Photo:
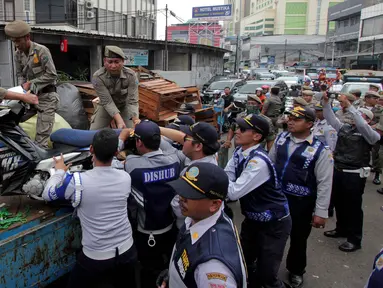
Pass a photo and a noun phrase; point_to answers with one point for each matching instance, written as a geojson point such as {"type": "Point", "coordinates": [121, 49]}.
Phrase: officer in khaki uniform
{"type": "Point", "coordinates": [36, 72]}
{"type": "Point", "coordinates": [273, 106]}
{"type": "Point", "coordinates": [359, 101]}
{"type": "Point", "coordinates": [371, 99]}
{"type": "Point", "coordinates": [308, 96]}
{"type": "Point", "coordinates": [117, 88]}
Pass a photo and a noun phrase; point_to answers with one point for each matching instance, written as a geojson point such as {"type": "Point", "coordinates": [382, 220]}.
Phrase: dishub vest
{"type": "Point", "coordinates": [297, 171]}
{"type": "Point", "coordinates": [266, 202]}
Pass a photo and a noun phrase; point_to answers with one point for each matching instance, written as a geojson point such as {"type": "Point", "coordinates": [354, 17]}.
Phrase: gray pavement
{"type": "Point", "coordinates": [328, 267]}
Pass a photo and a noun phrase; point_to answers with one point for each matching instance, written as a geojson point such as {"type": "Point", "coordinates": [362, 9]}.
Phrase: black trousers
{"type": "Point", "coordinates": [263, 244]}
{"type": "Point", "coordinates": [116, 272]}
{"type": "Point", "coordinates": [154, 259]}
{"type": "Point", "coordinates": [301, 211]}
{"type": "Point", "coordinates": [348, 189]}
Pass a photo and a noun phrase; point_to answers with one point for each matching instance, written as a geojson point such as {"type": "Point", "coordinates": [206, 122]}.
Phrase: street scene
{"type": "Point", "coordinates": [219, 144]}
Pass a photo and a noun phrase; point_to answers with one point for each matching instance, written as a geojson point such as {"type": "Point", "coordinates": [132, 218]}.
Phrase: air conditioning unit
{"type": "Point", "coordinates": [89, 15]}
{"type": "Point", "coordinates": [88, 4]}
{"type": "Point", "coordinates": [153, 16]}
{"type": "Point", "coordinates": [140, 13]}
{"type": "Point", "coordinates": [28, 16]}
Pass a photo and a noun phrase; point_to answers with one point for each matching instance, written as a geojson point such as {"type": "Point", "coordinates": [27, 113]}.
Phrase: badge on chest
{"type": "Point", "coordinates": [281, 141]}
{"type": "Point", "coordinates": [309, 152]}
{"type": "Point", "coordinates": [183, 264]}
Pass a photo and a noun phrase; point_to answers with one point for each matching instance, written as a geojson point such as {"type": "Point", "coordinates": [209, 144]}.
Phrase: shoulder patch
{"type": "Point", "coordinates": [252, 164]}
{"type": "Point", "coordinates": [216, 275]}
{"type": "Point", "coordinates": [379, 263]}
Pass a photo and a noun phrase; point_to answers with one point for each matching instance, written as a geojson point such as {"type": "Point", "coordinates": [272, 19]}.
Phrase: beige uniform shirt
{"type": "Point", "coordinates": [36, 67]}
{"type": "Point", "coordinates": [116, 93]}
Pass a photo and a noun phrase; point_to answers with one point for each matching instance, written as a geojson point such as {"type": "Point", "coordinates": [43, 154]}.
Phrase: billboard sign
{"type": "Point", "coordinates": [136, 57]}
{"type": "Point", "coordinates": [213, 13]}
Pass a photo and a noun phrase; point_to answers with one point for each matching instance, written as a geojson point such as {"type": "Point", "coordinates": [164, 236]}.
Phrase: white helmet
{"type": "Point", "coordinates": [259, 89]}
{"type": "Point", "coordinates": [217, 92]}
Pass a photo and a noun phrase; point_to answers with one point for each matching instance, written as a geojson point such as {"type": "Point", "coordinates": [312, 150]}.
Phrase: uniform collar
{"type": "Point", "coordinates": [153, 153]}
{"type": "Point", "coordinates": [32, 49]}
{"type": "Point", "coordinates": [199, 228]}
{"type": "Point", "coordinates": [309, 139]}
{"type": "Point", "coordinates": [248, 150]}
{"type": "Point", "coordinates": [206, 159]}
{"type": "Point", "coordinates": [122, 74]}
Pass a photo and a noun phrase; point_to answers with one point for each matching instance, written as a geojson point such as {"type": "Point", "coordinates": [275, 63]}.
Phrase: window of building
{"type": "Point", "coordinates": [102, 22]}
{"type": "Point", "coordinates": [27, 5]}
{"type": "Point", "coordinates": [118, 22]}
{"type": "Point", "coordinates": [372, 26]}
{"type": "Point", "coordinates": [81, 17]}
{"type": "Point", "coordinates": [125, 25]}
{"type": "Point", "coordinates": [94, 21]}
{"type": "Point", "coordinates": [110, 20]}
{"type": "Point", "coordinates": [269, 25]}
{"type": "Point", "coordinates": [133, 26]}
{"type": "Point", "coordinates": [346, 22]}
{"type": "Point", "coordinates": [9, 10]}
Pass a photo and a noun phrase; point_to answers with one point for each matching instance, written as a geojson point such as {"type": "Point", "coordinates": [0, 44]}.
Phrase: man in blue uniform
{"type": "Point", "coordinates": [207, 252]}
{"type": "Point", "coordinates": [100, 197]}
{"type": "Point", "coordinates": [267, 223]}
{"type": "Point", "coordinates": [150, 171]}
{"type": "Point", "coordinates": [376, 277]}
{"type": "Point", "coordinates": [304, 167]}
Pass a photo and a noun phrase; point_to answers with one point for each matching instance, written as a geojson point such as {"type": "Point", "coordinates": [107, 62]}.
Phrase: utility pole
{"type": "Point", "coordinates": [333, 54]}
{"type": "Point", "coordinates": [285, 58]}
{"type": "Point", "coordinates": [166, 40]}
{"type": "Point", "coordinates": [373, 48]}
{"type": "Point", "coordinates": [300, 55]}
{"type": "Point", "coordinates": [236, 55]}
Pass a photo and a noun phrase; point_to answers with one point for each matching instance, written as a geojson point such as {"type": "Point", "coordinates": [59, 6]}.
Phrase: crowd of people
{"type": "Point", "coordinates": [164, 212]}
{"type": "Point", "coordinates": [169, 210]}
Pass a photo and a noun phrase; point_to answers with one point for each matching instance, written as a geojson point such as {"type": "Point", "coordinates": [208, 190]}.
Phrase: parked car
{"type": "Point", "coordinates": [362, 86]}
{"type": "Point", "coordinates": [233, 84]}
{"type": "Point", "coordinates": [214, 79]}
{"type": "Point", "coordinates": [250, 87]}
{"type": "Point", "coordinates": [289, 80]}
{"type": "Point", "coordinates": [264, 76]}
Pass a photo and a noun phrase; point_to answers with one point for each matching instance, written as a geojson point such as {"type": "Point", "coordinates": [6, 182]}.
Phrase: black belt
{"type": "Point", "coordinates": [47, 89]}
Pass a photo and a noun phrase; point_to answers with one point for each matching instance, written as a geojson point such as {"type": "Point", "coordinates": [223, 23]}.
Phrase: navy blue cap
{"type": "Point", "coordinates": [255, 122]}
{"type": "Point", "coordinates": [184, 120]}
{"type": "Point", "coordinates": [202, 180]}
{"type": "Point", "coordinates": [147, 130]}
{"type": "Point", "coordinates": [185, 109]}
{"type": "Point", "coordinates": [203, 132]}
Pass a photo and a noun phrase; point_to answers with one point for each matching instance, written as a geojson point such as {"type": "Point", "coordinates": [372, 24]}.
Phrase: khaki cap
{"type": "Point", "coordinates": [306, 88]}
{"type": "Point", "coordinates": [255, 98]}
{"type": "Point", "coordinates": [17, 29]}
{"type": "Point", "coordinates": [372, 94]}
{"type": "Point", "coordinates": [367, 112]}
{"type": "Point", "coordinates": [300, 101]}
{"type": "Point", "coordinates": [114, 52]}
{"type": "Point", "coordinates": [349, 96]}
{"type": "Point", "coordinates": [308, 92]}
{"type": "Point", "coordinates": [356, 91]}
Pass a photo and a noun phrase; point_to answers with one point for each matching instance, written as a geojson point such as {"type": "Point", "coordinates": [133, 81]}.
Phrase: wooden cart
{"type": "Point", "coordinates": [159, 98]}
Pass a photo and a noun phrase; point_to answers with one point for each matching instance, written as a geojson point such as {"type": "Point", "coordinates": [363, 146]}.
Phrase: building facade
{"type": "Point", "coordinates": [196, 33]}
{"type": "Point", "coordinates": [343, 31]}
{"type": "Point", "coordinates": [273, 17]}
{"type": "Point", "coordinates": [370, 50]}
{"type": "Point", "coordinates": [136, 18]}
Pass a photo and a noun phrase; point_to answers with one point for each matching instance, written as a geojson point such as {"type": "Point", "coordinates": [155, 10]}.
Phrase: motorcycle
{"type": "Point", "coordinates": [25, 167]}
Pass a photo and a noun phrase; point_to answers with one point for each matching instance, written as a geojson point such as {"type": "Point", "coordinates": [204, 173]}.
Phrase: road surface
{"type": "Point", "coordinates": [328, 267]}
